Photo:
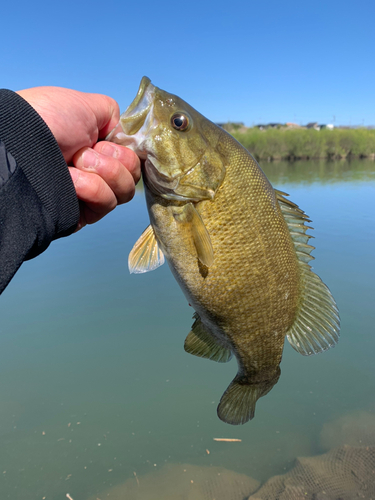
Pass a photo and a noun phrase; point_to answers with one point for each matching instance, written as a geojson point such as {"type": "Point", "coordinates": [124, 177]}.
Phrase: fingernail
{"type": "Point", "coordinates": [90, 159]}
{"type": "Point", "coordinates": [109, 150]}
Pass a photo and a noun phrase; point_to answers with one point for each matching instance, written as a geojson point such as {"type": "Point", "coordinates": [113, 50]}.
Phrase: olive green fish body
{"type": "Point", "coordinates": [249, 295]}
{"type": "Point", "coordinates": [238, 248]}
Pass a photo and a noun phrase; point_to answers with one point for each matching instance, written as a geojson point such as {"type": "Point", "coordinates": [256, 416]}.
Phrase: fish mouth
{"type": "Point", "coordinates": [158, 183]}
{"type": "Point", "coordinates": [132, 131]}
{"type": "Point", "coordinates": [135, 116]}
{"type": "Point", "coordinates": [168, 187]}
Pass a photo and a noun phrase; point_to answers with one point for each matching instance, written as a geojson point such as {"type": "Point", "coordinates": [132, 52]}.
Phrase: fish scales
{"type": "Point", "coordinates": [254, 306]}
{"type": "Point", "coordinates": [237, 247]}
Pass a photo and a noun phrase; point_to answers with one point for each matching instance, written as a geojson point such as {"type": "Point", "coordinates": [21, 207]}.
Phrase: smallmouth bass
{"type": "Point", "coordinates": [237, 247]}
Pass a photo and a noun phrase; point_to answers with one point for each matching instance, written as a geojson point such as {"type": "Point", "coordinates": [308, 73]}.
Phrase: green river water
{"type": "Point", "coordinates": [95, 386]}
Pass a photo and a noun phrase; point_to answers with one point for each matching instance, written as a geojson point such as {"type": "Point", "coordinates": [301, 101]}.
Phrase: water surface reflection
{"type": "Point", "coordinates": [96, 388]}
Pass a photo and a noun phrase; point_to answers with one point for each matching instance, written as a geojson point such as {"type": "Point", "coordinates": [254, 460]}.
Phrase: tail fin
{"type": "Point", "coordinates": [237, 404]}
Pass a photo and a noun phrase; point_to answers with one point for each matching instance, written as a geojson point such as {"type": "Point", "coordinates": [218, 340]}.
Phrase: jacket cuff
{"type": "Point", "coordinates": [32, 144]}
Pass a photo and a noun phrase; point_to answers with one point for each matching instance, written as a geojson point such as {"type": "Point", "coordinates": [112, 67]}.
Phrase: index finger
{"type": "Point", "coordinates": [123, 154]}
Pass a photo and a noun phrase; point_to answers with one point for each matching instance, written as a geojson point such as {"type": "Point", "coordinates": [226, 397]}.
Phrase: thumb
{"type": "Point", "coordinates": [106, 111]}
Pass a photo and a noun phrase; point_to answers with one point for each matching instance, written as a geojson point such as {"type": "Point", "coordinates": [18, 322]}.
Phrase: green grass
{"type": "Point", "coordinates": [273, 144]}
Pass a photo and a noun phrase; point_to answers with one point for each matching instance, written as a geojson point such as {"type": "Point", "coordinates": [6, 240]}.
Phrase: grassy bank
{"type": "Point", "coordinates": [274, 144]}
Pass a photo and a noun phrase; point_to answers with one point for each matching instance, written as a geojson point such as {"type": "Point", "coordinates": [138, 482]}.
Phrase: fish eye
{"type": "Point", "coordinates": [180, 122]}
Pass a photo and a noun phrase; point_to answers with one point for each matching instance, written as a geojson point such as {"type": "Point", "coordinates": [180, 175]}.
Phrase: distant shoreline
{"type": "Point", "coordinates": [306, 144]}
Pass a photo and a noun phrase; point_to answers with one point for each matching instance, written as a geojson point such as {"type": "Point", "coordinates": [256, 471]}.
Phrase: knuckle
{"type": "Point", "coordinates": [127, 192]}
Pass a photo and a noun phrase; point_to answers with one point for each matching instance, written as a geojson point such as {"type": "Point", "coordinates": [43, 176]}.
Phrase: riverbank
{"type": "Point", "coordinates": [291, 144]}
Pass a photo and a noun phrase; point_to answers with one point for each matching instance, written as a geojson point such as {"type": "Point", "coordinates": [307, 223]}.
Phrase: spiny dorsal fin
{"type": "Point", "coordinates": [317, 324]}
{"type": "Point", "coordinates": [201, 343]}
{"type": "Point", "coordinates": [289, 208]}
{"type": "Point", "coordinates": [146, 254]}
{"type": "Point", "coordinates": [202, 241]}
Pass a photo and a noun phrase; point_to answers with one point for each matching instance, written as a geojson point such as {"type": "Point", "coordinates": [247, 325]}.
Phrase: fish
{"type": "Point", "coordinates": [238, 248]}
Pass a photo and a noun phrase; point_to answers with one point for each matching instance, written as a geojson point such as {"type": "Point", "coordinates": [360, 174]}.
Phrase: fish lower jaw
{"type": "Point", "coordinates": [159, 184]}
{"type": "Point", "coordinates": [133, 142]}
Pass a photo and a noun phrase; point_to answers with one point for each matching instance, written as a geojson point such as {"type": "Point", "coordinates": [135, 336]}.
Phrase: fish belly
{"type": "Point", "coordinates": [248, 297]}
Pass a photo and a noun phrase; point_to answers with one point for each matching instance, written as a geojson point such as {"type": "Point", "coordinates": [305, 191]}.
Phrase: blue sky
{"type": "Point", "coordinates": [238, 60]}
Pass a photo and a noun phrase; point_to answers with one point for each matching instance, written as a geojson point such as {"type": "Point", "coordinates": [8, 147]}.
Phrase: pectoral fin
{"type": "Point", "coordinates": [201, 343]}
{"type": "Point", "coordinates": [146, 254]}
{"type": "Point", "coordinates": [201, 238]}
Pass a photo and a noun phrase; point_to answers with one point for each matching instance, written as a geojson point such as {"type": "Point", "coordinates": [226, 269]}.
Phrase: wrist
{"type": "Point", "coordinates": [32, 144]}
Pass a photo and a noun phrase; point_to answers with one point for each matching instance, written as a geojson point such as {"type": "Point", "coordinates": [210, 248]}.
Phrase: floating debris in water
{"type": "Point", "coordinates": [228, 440]}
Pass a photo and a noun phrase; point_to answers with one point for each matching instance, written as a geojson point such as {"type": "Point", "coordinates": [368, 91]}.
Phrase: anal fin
{"type": "Point", "coordinates": [201, 343]}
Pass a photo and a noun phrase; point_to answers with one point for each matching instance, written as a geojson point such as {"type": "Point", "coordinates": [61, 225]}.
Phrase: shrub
{"type": "Point", "coordinates": [307, 143]}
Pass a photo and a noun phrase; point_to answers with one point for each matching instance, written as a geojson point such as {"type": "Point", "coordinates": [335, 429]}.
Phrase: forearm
{"type": "Point", "coordinates": [38, 202]}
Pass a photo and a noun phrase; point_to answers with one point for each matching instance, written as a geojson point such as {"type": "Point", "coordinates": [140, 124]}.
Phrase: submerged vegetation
{"type": "Point", "coordinates": [302, 143]}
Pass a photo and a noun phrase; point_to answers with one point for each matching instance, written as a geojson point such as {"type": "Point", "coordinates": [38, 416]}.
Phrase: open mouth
{"type": "Point", "coordinates": [135, 116]}
{"type": "Point", "coordinates": [132, 120]}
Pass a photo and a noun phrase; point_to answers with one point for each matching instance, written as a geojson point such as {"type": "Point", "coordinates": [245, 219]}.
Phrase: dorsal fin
{"type": "Point", "coordinates": [317, 324]}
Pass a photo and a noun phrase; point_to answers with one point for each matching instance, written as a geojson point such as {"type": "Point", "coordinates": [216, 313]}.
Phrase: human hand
{"type": "Point", "coordinates": [104, 174]}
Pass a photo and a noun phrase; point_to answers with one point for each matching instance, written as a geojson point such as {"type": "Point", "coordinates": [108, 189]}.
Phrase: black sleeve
{"type": "Point", "coordinates": [38, 202]}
